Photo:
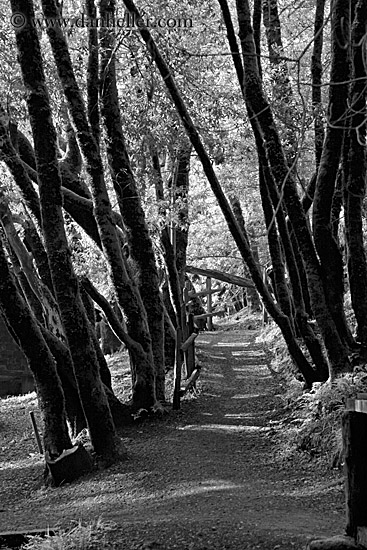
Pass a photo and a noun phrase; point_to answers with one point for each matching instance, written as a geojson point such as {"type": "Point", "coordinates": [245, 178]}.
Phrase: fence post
{"type": "Point", "coordinates": [209, 302]}
{"type": "Point", "coordinates": [177, 371]}
{"type": "Point", "coordinates": [191, 351]}
{"type": "Point", "coordinates": [264, 310]}
{"type": "Point", "coordinates": [185, 326]}
{"type": "Point", "coordinates": [354, 424]}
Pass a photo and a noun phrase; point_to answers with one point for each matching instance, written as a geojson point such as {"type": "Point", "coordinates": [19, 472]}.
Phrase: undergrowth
{"type": "Point", "coordinates": [81, 537]}
{"type": "Point", "coordinates": [311, 420]}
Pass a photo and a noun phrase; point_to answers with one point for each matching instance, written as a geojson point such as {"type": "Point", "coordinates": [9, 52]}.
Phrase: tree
{"type": "Point", "coordinates": [41, 362]}
{"type": "Point", "coordinates": [86, 368]}
{"type": "Point", "coordinates": [241, 242]}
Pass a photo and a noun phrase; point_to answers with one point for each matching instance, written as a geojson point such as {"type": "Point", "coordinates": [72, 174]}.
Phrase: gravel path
{"type": "Point", "coordinates": [203, 478]}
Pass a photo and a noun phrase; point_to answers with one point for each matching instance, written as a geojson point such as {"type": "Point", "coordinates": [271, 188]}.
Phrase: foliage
{"type": "Point", "coordinates": [80, 537]}
{"type": "Point", "coordinates": [311, 425]}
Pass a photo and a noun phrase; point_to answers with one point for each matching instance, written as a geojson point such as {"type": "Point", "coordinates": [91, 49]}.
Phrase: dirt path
{"type": "Point", "coordinates": [203, 479]}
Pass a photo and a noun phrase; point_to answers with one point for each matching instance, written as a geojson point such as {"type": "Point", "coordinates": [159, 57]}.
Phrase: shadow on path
{"type": "Point", "coordinates": [206, 478]}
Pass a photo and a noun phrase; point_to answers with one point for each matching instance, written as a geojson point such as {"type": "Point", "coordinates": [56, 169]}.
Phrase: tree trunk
{"type": "Point", "coordinates": [50, 309]}
{"type": "Point", "coordinates": [180, 189]}
{"type": "Point", "coordinates": [79, 208]}
{"type": "Point", "coordinates": [10, 157]}
{"type": "Point", "coordinates": [95, 404]}
{"type": "Point", "coordinates": [233, 226]}
{"type": "Point", "coordinates": [355, 186]}
{"type": "Point", "coordinates": [144, 395]}
{"type": "Point", "coordinates": [65, 370]}
{"type": "Point", "coordinates": [262, 119]}
{"type": "Point", "coordinates": [252, 296]}
{"type": "Point", "coordinates": [40, 360]}
{"type": "Point", "coordinates": [301, 318]}
{"type": "Point", "coordinates": [93, 73]}
{"type": "Point", "coordinates": [256, 23]}
{"type": "Point", "coordinates": [326, 246]}
{"type": "Point", "coordinates": [281, 289]}
{"type": "Point", "coordinates": [337, 203]}
{"type": "Point", "coordinates": [316, 71]}
{"type": "Point", "coordinates": [174, 283]}
{"type": "Point", "coordinates": [283, 102]}
{"type": "Point", "coordinates": [141, 247]}
{"type": "Point", "coordinates": [33, 243]}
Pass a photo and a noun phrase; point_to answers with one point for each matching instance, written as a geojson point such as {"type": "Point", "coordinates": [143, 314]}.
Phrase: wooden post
{"type": "Point", "coordinates": [185, 301]}
{"type": "Point", "coordinates": [191, 350]}
{"type": "Point", "coordinates": [191, 382]}
{"type": "Point", "coordinates": [36, 432]}
{"type": "Point", "coordinates": [177, 371]}
{"type": "Point", "coordinates": [186, 329]}
{"type": "Point", "coordinates": [264, 311]}
{"type": "Point", "coordinates": [355, 458]}
{"type": "Point", "coordinates": [209, 302]}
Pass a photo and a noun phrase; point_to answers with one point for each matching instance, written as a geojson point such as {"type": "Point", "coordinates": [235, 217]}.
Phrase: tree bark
{"type": "Point", "coordinates": [252, 296]}
{"type": "Point", "coordinates": [355, 186]}
{"type": "Point", "coordinates": [301, 318]}
{"type": "Point", "coordinates": [95, 404]}
{"type": "Point", "coordinates": [283, 101]}
{"type": "Point", "coordinates": [316, 72]}
{"type": "Point", "coordinates": [10, 157]}
{"type": "Point", "coordinates": [40, 360]}
{"type": "Point", "coordinates": [50, 309]}
{"type": "Point", "coordinates": [174, 283]}
{"type": "Point", "coordinates": [233, 226]}
{"type": "Point", "coordinates": [326, 246]}
{"type": "Point", "coordinates": [256, 23]}
{"type": "Point", "coordinates": [79, 208]}
{"type": "Point", "coordinates": [294, 260]}
{"type": "Point", "coordinates": [281, 289]}
{"type": "Point", "coordinates": [144, 395]}
{"type": "Point", "coordinates": [264, 122]}
{"type": "Point", "coordinates": [65, 370]}
{"type": "Point", "coordinates": [33, 243]}
{"type": "Point", "coordinates": [93, 73]}
{"type": "Point", "coordinates": [141, 247]}
{"type": "Point", "coordinates": [180, 188]}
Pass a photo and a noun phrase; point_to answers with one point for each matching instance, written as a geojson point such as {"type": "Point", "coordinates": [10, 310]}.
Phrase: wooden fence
{"type": "Point", "coordinates": [355, 461]}
{"type": "Point", "coordinates": [185, 340]}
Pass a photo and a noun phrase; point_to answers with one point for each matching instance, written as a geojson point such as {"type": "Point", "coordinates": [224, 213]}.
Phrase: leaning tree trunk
{"type": "Point", "coordinates": [174, 283]}
{"type": "Point", "coordinates": [141, 247]}
{"type": "Point", "coordinates": [257, 104]}
{"type": "Point", "coordinates": [79, 208]}
{"type": "Point", "coordinates": [274, 311]}
{"type": "Point", "coordinates": [75, 322]}
{"type": "Point", "coordinates": [327, 248]}
{"type": "Point", "coordinates": [283, 100]}
{"type": "Point", "coordinates": [143, 392]}
{"type": "Point", "coordinates": [252, 297]}
{"type": "Point", "coordinates": [298, 290]}
{"type": "Point", "coordinates": [93, 73]}
{"type": "Point", "coordinates": [180, 190]}
{"type": "Point", "coordinates": [281, 289]}
{"type": "Point", "coordinates": [40, 360]}
{"type": "Point", "coordinates": [172, 289]}
{"type": "Point", "coordinates": [301, 318]}
{"type": "Point", "coordinates": [355, 188]}
{"type": "Point", "coordinates": [316, 71]}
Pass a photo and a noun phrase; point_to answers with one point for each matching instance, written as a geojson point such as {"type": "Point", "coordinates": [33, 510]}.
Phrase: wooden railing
{"type": "Point", "coordinates": [185, 340]}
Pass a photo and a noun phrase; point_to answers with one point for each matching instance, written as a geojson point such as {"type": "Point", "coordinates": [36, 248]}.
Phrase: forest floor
{"type": "Point", "coordinates": [207, 477]}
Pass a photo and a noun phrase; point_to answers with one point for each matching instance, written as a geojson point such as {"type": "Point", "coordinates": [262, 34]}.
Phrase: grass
{"type": "Point", "coordinates": [311, 425]}
{"type": "Point", "coordinates": [81, 537]}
